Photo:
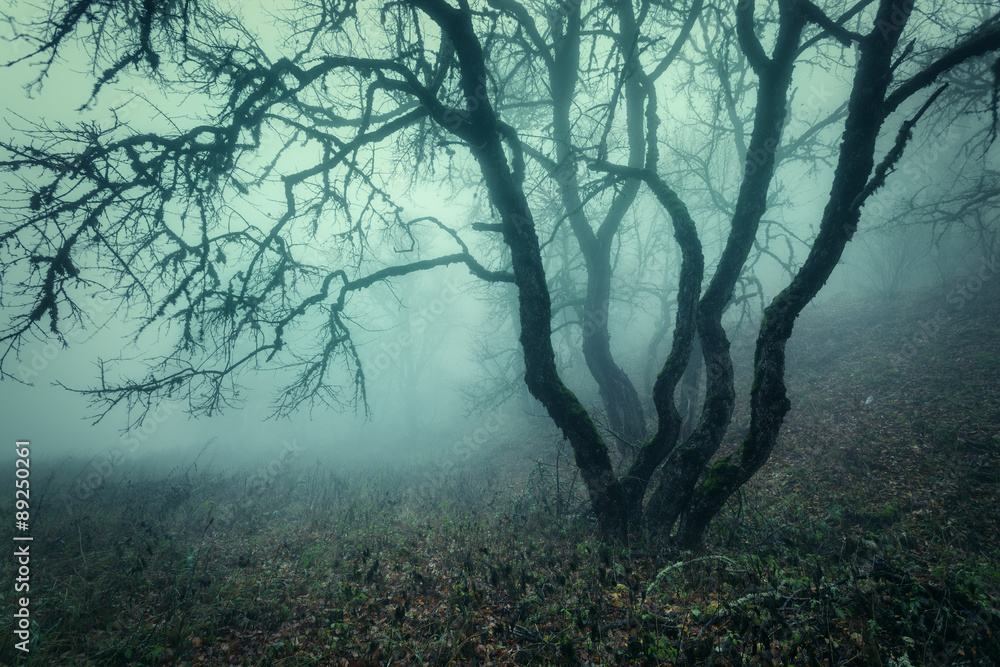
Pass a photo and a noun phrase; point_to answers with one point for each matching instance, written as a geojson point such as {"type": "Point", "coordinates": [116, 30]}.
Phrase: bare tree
{"type": "Point", "coordinates": [200, 225]}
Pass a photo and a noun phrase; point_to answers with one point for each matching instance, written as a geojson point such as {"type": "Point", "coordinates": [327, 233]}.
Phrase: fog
{"type": "Point", "coordinates": [264, 274]}
{"type": "Point", "coordinates": [437, 346]}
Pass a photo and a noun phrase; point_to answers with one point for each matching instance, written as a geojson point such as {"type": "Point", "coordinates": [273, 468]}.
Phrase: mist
{"type": "Point", "coordinates": [499, 333]}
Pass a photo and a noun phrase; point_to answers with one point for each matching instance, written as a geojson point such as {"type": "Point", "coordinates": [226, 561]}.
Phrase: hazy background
{"type": "Point", "coordinates": [432, 342]}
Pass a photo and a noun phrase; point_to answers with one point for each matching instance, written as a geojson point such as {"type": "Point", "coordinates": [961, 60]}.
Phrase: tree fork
{"type": "Point", "coordinates": [686, 463]}
{"type": "Point", "coordinates": [621, 400]}
{"type": "Point", "coordinates": [768, 400]}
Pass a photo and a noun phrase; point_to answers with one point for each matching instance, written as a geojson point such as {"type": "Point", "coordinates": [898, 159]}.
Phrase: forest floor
{"type": "Point", "coordinates": [872, 537]}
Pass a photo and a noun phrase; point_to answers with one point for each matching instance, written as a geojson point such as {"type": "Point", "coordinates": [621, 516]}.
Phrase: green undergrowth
{"type": "Point", "coordinates": [199, 572]}
{"type": "Point", "coordinates": [870, 538]}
